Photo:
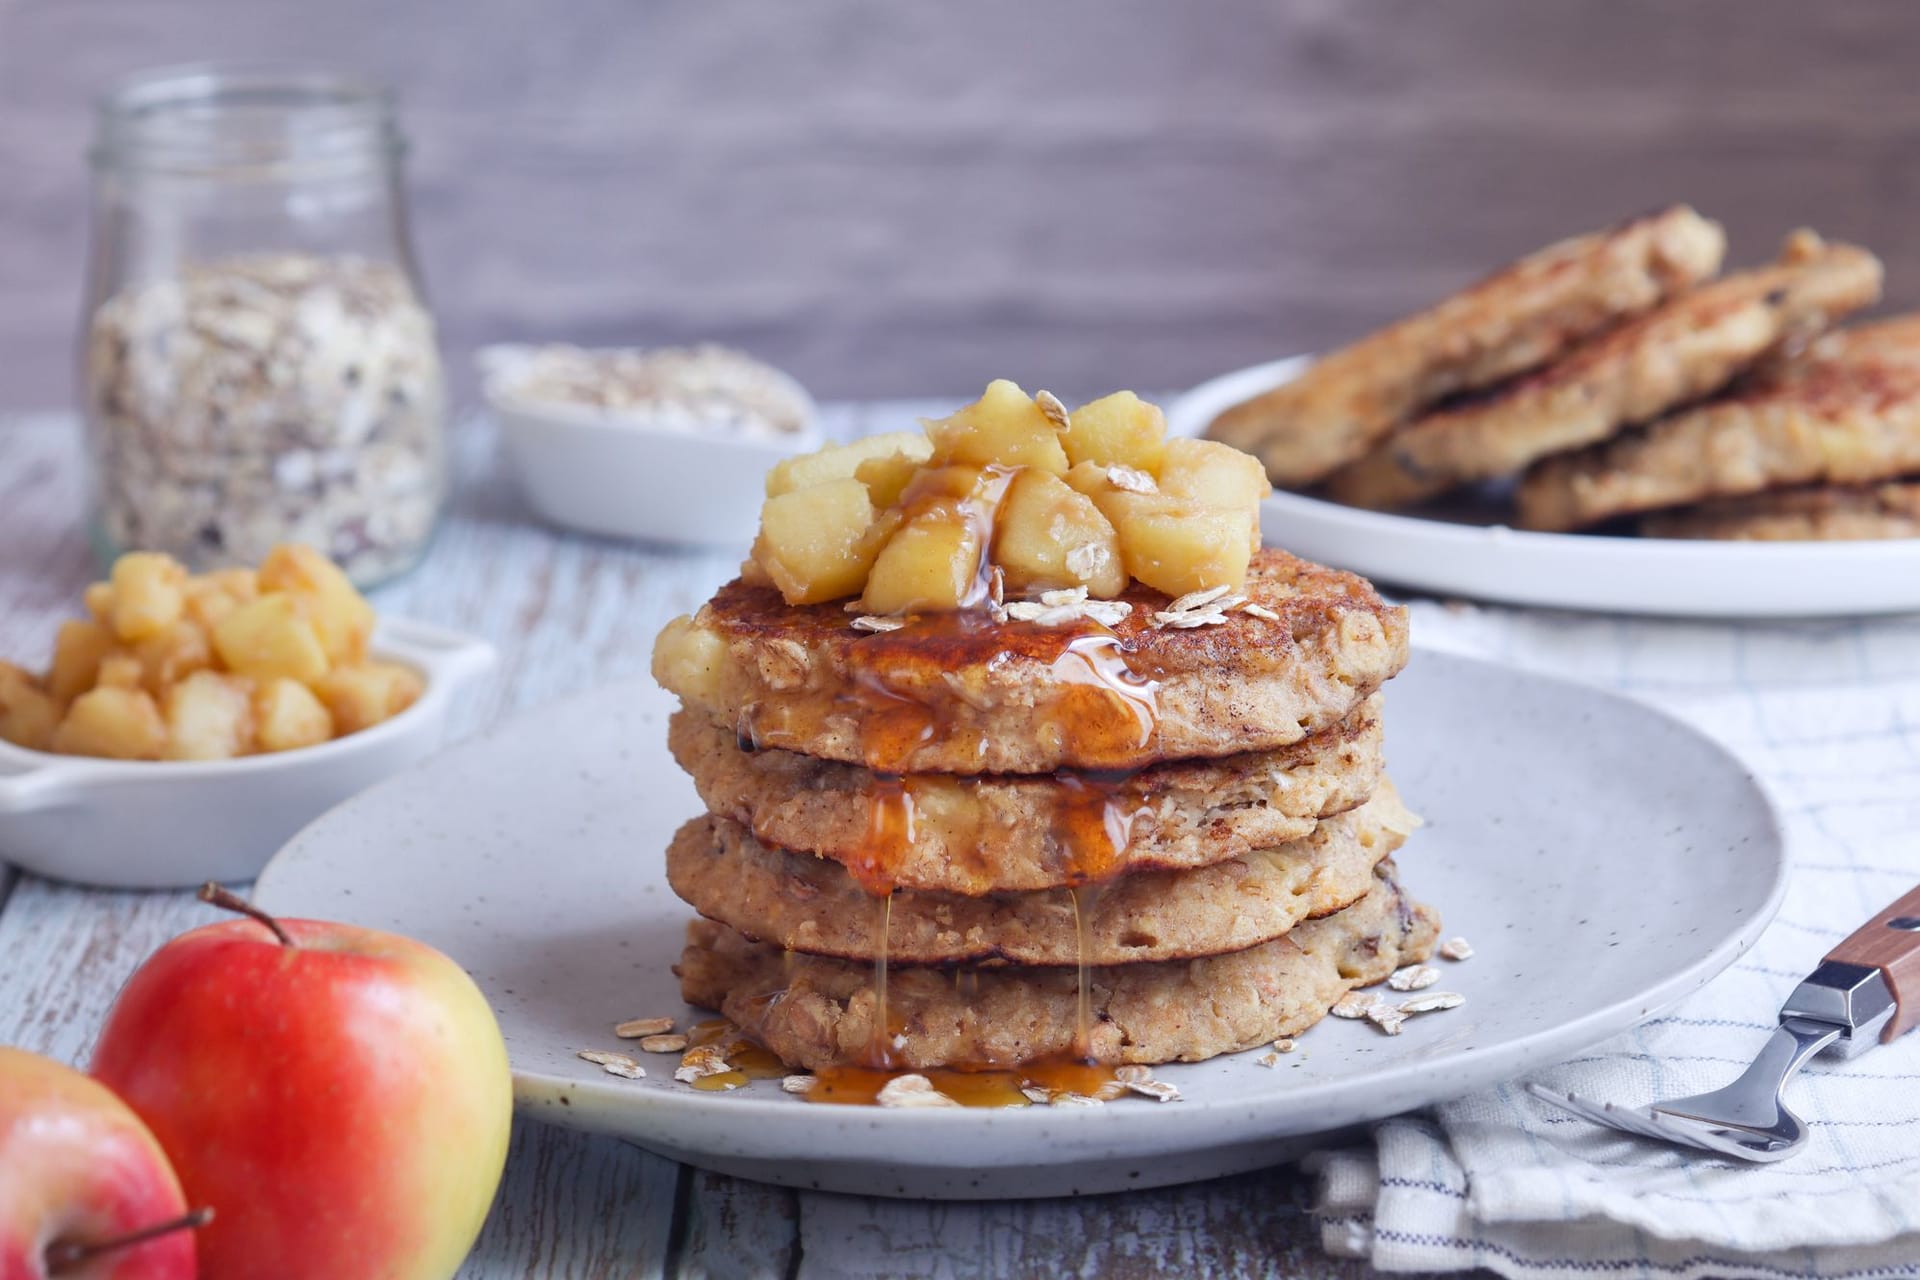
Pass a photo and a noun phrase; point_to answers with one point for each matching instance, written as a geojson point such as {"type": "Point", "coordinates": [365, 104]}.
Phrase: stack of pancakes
{"type": "Point", "coordinates": [977, 842]}
{"type": "Point", "coordinates": [1616, 378]}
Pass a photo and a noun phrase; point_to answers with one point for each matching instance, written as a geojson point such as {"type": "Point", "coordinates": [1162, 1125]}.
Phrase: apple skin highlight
{"type": "Point", "coordinates": [77, 1165]}
{"type": "Point", "coordinates": [343, 1103]}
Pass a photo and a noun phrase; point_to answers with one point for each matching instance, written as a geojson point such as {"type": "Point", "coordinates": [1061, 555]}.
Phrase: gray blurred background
{"type": "Point", "coordinates": [911, 198]}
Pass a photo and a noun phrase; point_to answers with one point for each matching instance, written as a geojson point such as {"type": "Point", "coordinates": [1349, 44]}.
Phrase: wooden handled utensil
{"type": "Point", "coordinates": [1866, 991]}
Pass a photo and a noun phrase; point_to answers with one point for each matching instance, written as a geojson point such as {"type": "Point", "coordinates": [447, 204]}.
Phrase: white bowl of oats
{"type": "Point", "coordinates": [666, 445]}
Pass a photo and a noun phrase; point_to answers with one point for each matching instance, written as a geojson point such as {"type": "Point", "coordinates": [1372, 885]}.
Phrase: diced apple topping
{"type": "Point", "coordinates": [173, 666]}
{"type": "Point", "coordinates": [1050, 538]}
{"type": "Point", "coordinates": [1087, 500]}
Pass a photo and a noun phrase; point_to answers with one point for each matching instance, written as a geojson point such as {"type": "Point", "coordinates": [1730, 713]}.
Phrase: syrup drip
{"type": "Point", "coordinates": [1082, 1019]}
{"type": "Point", "coordinates": [903, 703]}
{"type": "Point", "coordinates": [749, 1060]}
{"type": "Point", "coordinates": [983, 1087]}
{"type": "Point", "coordinates": [880, 1038]}
{"type": "Point", "coordinates": [953, 495]}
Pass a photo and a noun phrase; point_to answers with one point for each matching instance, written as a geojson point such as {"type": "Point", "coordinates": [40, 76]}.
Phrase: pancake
{"type": "Point", "coordinates": [1829, 514]}
{"type": "Point", "coordinates": [1523, 316]}
{"type": "Point", "coordinates": [1846, 412]}
{"type": "Point", "coordinates": [804, 903]}
{"type": "Point", "coordinates": [1687, 348]}
{"type": "Point", "coordinates": [815, 1012]}
{"type": "Point", "coordinates": [959, 693]}
{"type": "Point", "coordinates": [1011, 831]}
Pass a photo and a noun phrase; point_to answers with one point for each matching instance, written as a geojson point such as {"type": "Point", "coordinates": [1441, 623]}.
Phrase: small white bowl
{"type": "Point", "coordinates": [616, 474]}
{"type": "Point", "coordinates": [141, 824]}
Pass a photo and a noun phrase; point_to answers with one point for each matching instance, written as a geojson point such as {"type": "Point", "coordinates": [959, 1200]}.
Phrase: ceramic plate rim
{"type": "Point", "coordinates": [1704, 564]}
{"type": "Point", "coordinates": [1463, 1069]}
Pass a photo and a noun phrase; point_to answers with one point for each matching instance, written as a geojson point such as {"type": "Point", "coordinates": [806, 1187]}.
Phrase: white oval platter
{"type": "Point", "coordinates": [1605, 574]}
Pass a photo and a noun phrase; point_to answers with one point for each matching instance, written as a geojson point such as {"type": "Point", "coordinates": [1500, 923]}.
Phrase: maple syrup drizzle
{"type": "Point", "coordinates": [974, 507]}
{"type": "Point", "coordinates": [1110, 710]}
{"type": "Point", "coordinates": [902, 704]}
{"type": "Point", "coordinates": [969, 1086]}
{"type": "Point", "coordinates": [1082, 1020]}
{"type": "Point", "coordinates": [880, 1037]}
{"type": "Point", "coordinates": [747, 1058]}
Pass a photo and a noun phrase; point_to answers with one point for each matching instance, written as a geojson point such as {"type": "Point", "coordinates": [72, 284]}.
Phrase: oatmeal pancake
{"type": "Point", "coordinates": [960, 693]}
{"type": "Point", "coordinates": [1829, 514]}
{"type": "Point", "coordinates": [1685, 349]}
{"type": "Point", "coordinates": [1520, 318]}
{"type": "Point", "coordinates": [810, 904]}
{"type": "Point", "coordinates": [1012, 831]}
{"type": "Point", "coordinates": [1846, 412]}
{"type": "Point", "coordinates": [815, 1012]}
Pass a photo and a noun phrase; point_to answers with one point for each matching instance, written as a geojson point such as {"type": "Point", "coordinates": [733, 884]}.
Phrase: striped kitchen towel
{"type": "Point", "coordinates": [1828, 716]}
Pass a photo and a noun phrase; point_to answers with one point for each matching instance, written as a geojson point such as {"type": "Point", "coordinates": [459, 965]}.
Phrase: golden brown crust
{"type": "Point", "coordinates": [1846, 412]}
{"type": "Point", "coordinates": [1517, 319]}
{"type": "Point", "coordinates": [1829, 514]}
{"type": "Point", "coordinates": [815, 1012]}
{"type": "Point", "coordinates": [810, 904]}
{"type": "Point", "coordinates": [959, 694]}
{"type": "Point", "coordinates": [1688, 348]}
{"type": "Point", "coordinates": [1008, 831]}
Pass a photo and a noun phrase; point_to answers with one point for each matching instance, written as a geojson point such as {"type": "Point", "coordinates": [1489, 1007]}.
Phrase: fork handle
{"type": "Point", "coordinates": [1890, 942]}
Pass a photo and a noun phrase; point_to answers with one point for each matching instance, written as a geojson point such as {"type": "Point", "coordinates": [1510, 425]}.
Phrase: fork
{"type": "Point", "coordinates": [1867, 986]}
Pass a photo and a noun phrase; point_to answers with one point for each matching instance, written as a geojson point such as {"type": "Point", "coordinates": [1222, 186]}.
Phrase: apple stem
{"type": "Point", "coordinates": [228, 900]}
{"type": "Point", "coordinates": [65, 1255]}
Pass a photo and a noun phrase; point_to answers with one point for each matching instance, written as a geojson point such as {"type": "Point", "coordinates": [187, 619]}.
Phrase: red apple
{"type": "Point", "coordinates": [81, 1181]}
{"type": "Point", "coordinates": [337, 1095]}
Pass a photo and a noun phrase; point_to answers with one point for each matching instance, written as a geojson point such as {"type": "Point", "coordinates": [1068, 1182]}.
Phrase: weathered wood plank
{"type": "Point", "coordinates": [737, 1230]}
{"type": "Point", "coordinates": [1255, 1225]}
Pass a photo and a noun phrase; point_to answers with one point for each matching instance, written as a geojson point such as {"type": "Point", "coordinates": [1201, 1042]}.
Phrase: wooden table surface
{"type": "Point", "coordinates": [569, 613]}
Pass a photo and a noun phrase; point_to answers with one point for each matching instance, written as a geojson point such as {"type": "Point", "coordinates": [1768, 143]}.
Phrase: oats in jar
{"type": "Point", "coordinates": [264, 399]}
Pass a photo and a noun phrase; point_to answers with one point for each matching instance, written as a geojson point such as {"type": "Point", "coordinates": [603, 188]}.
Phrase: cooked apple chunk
{"type": "Point", "coordinates": [1048, 536]}
{"type": "Point", "coordinates": [120, 724]}
{"type": "Point", "coordinates": [270, 637]}
{"type": "Point", "coordinates": [286, 714]}
{"type": "Point", "coordinates": [78, 649]}
{"type": "Point", "coordinates": [148, 593]}
{"type": "Point", "coordinates": [1176, 547]}
{"type": "Point", "coordinates": [1213, 474]}
{"type": "Point", "coordinates": [359, 697]}
{"type": "Point", "coordinates": [841, 462]}
{"type": "Point", "coordinates": [932, 563]}
{"type": "Point", "coordinates": [209, 717]}
{"type": "Point", "coordinates": [28, 713]}
{"type": "Point", "coordinates": [887, 478]}
{"type": "Point", "coordinates": [813, 541]}
{"type": "Point", "coordinates": [1004, 427]}
{"type": "Point", "coordinates": [341, 617]}
{"type": "Point", "coordinates": [1120, 428]}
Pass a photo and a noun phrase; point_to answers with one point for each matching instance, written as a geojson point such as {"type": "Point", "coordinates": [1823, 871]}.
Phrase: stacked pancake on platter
{"type": "Point", "coordinates": [1080, 777]}
{"type": "Point", "coordinates": [1614, 381]}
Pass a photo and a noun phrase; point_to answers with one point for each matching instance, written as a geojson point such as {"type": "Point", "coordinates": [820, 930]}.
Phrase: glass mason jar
{"type": "Point", "coordinates": [259, 363]}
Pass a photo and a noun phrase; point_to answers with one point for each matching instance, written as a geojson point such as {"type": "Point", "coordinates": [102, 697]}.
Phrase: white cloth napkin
{"type": "Point", "coordinates": [1828, 716]}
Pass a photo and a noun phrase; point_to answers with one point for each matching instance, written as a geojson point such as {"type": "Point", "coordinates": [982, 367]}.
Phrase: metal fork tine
{"type": "Point", "coordinates": [1731, 1140]}
{"type": "Point", "coordinates": [1634, 1120]}
{"type": "Point", "coordinates": [1662, 1127]}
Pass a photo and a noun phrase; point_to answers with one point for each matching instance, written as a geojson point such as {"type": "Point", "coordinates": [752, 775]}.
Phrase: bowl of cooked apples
{"type": "Point", "coordinates": [190, 724]}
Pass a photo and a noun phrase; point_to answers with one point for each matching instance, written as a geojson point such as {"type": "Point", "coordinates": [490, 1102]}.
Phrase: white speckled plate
{"type": "Point", "coordinates": [1604, 859]}
{"type": "Point", "coordinates": [1672, 577]}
